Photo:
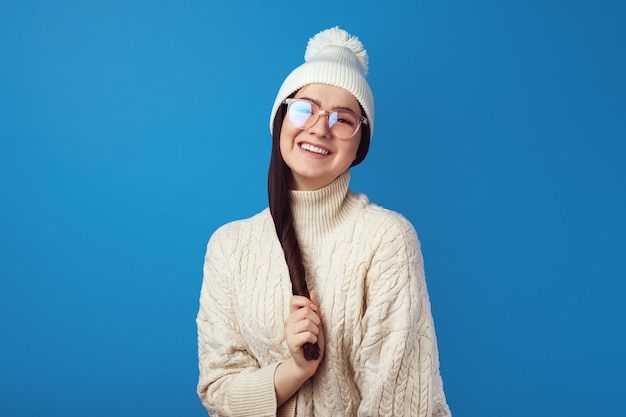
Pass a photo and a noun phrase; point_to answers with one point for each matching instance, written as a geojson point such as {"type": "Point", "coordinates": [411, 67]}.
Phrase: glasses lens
{"type": "Point", "coordinates": [343, 123]}
{"type": "Point", "coordinates": [301, 113]}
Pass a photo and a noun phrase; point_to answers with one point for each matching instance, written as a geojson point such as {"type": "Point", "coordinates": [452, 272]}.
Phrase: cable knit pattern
{"type": "Point", "coordinates": [366, 265]}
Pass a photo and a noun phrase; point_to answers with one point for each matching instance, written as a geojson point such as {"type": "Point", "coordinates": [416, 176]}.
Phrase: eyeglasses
{"type": "Point", "coordinates": [342, 123]}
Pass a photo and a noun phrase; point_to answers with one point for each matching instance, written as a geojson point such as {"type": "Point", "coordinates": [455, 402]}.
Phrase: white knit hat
{"type": "Point", "coordinates": [336, 58]}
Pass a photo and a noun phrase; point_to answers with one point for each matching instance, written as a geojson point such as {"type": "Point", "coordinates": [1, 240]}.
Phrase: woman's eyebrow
{"type": "Point", "coordinates": [319, 104]}
{"type": "Point", "coordinates": [311, 99]}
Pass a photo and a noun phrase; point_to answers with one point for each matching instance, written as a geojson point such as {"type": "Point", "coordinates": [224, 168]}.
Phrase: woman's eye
{"type": "Point", "coordinates": [304, 110]}
{"type": "Point", "coordinates": [346, 120]}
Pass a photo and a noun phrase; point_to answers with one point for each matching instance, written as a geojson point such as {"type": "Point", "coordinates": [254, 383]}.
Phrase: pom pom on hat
{"type": "Point", "coordinates": [337, 37]}
{"type": "Point", "coordinates": [336, 58]}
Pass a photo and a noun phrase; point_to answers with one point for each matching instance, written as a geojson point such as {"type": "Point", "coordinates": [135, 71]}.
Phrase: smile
{"type": "Point", "coordinates": [314, 149]}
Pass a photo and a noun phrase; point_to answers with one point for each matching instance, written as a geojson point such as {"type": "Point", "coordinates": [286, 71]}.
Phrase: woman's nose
{"type": "Point", "coordinates": [320, 127]}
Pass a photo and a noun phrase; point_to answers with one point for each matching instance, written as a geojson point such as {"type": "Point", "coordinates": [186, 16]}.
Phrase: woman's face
{"type": "Point", "coordinates": [314, 155]}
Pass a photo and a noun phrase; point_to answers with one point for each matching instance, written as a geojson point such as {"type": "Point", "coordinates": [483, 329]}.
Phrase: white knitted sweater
{"type": "Point", "coordinates": [366, 266]}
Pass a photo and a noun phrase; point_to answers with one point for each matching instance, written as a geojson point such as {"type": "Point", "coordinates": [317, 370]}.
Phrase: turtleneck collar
{"type": "Point", "coordinates": [317, 213]}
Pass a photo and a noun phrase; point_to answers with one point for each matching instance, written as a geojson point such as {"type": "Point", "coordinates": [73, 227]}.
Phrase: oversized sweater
{"type": "Point", "coordinates": [366, 266]}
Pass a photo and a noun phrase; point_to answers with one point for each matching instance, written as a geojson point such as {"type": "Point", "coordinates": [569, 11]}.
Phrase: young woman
{"type": "Point", "coordinates": [317, 306]}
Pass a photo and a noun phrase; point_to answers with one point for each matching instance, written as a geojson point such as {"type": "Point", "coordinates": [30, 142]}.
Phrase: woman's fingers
{"type": "Point", "coordinates": [303, 313]}
{"type": "Point", "coordinates": [303, 325]}
{"type": "Point", "coordinates": [299, 339]}
{"type": "Point", "coordinates": [314, 299]}
{"type": "Point", "coordinates": [299, 301]}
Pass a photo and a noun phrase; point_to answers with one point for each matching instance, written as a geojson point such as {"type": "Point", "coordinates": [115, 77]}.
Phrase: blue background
{"type": "Point", "coordinates": [500, 134]}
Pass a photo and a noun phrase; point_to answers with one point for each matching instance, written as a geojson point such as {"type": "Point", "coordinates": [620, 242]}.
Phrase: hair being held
{"type": "Point", "coordinates": [279, 186]}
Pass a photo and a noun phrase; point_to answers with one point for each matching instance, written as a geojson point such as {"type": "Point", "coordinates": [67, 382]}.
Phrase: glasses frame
{"type": "Point", "coordinates": [326, 113]}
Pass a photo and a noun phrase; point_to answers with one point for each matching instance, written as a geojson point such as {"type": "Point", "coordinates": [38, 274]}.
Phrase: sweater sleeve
{"type": "Point", "coordinates": [231, 381]}
{"type": "Point", "coordinates": [398, 363]}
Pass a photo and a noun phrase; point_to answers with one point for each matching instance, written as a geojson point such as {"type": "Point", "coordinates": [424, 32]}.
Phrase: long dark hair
{"type": "Point", "coordinates": [279, 185]}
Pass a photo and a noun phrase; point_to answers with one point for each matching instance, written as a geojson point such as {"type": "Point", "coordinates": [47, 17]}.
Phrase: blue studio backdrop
{"type": "Point", "coordinates": [130, 130]}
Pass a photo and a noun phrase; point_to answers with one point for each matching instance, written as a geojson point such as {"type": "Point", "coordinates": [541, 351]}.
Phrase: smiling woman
{"type": "Point", "coordinates": [317, 306]}
{"type": "Point", "coordinates": [315, 155]}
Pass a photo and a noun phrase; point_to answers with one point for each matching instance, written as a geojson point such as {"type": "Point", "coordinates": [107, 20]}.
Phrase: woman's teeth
{"type": "Point", "coordinates": [311, 148]}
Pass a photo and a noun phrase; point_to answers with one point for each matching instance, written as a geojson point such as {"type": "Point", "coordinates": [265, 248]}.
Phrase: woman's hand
{"type": "Point", "coordinates": [302, 326]}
